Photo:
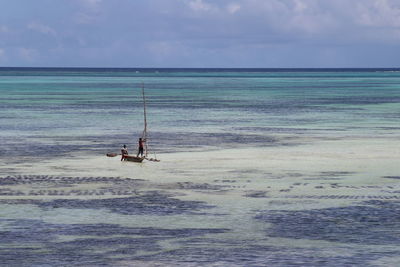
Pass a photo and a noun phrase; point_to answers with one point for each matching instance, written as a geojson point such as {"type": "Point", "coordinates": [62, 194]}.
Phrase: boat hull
{"type": "Point", "coordinates": [133, 158]}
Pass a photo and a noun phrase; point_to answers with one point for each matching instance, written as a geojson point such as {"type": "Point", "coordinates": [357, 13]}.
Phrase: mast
{"type": "Point", "coordinates": [144, 135]}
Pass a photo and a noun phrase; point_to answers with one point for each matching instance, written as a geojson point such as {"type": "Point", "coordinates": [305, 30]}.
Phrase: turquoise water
{"type": "Point", "coordinates": [233, 108]}
{"type": "Point", "coordinates": [259, 167]}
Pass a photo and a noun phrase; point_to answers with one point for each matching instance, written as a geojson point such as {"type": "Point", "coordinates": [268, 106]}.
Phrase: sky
{"type": "Point", "coordinates": [200, 33]}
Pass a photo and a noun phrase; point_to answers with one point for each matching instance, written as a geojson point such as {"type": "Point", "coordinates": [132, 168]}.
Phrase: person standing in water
{"type": "Point", "coordinates": [124, 152]}
{"type": "Point", "coordinates": [141, 147]}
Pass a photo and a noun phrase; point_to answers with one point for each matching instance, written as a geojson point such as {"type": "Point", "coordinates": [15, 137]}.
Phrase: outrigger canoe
{"type": "Point", "coordinates": [144, 136]}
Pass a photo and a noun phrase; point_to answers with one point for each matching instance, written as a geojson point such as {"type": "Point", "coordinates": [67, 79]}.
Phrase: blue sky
{"type": "Point", "coordinates": [200, 33]}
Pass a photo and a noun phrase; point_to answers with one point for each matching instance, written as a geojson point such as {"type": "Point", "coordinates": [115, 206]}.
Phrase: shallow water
{"type": "Point", "coordinates": [258, 167]}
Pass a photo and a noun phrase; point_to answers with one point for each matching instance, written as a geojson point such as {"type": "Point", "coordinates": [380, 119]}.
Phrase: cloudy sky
{"type": "Point", "coordinates": [200, 33]}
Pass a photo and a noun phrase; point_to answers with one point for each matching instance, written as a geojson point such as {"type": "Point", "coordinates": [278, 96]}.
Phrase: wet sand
{"type": "Point", "coordinates": [322, 203]}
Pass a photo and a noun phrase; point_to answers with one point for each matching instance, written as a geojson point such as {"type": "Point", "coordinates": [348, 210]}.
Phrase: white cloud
{"type": "Point", "coordinates": [88, 12]}
{"type": "Point", "coordinates": [200, 5]}
{"type": "Point", "coordinates": [379, 13]}
{"type": "Point", "coordinates": [204, 29]}
{"type": "Point", "coordinates": [233, 8]}
{"type": "Point", "coordinates": [39, 27]}
{"type": "Point", "coordinates": [90, 3]}
{"type": "Point", "coordinates": [312, 19]}
{"type": "Point", "coordinates": [299, 6]}
{"type": "Point", "coordinates": [216, 8]}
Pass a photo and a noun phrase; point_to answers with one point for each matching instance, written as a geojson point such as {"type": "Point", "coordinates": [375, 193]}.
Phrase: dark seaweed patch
{"type": "Point", "coordinates": [226, 139]}
{"type": "Point", "coordinates": [367, 224]}
{"type": "Point", "coordinates": [257, 194]}
{"type": "Point", "coordinates": [231, 254]}
{"type": "Point", "coordinates": [17, 230]}
{"type": "Point", "coordinates": [330, 175]}
{"type": "Point", "coordinates": [192, 186]}
{"type": "Point", "coordinates": [336, 173]}
{"type": "Point", "coordinates": [46, 185]}
{"type": "Point", "coordinates": [392, 177]}
{"type": "Point", "coordinates": [63, 180]}
{"type": "Point", "coordinates": [374, 197]}
{"type": "Point", "coordinates": [42, 147]}
{"type": "Point", "coordinates": [150, 203]}
{"type": "Point", "coordinates": [153, 203]}
{"type": "Point", "coordinates": [35, 242]}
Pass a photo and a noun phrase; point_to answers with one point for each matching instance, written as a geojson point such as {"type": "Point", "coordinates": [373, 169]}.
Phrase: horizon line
{"type": "Point", "coordinates": [215, 68]}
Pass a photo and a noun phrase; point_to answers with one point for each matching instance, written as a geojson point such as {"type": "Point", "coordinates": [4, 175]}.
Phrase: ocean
{"type": "Point", "coordinates": [258, 167]}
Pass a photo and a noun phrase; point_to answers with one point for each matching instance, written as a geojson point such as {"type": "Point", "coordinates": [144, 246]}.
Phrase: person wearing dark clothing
{"type": "Point", "coordinates": [141, 147]}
